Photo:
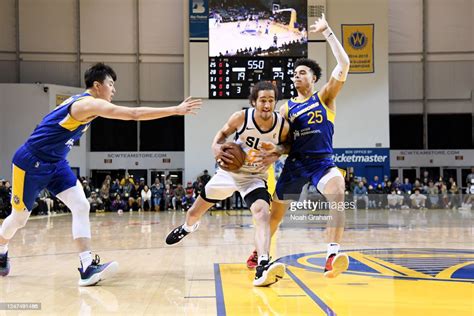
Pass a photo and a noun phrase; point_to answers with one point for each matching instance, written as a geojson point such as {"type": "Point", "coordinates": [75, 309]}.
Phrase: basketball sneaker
{"type": "Point", "coordinates": [4, 264]}
{"type": "Point", "coordinates": [179, 233]}
{"type": "Point", "coordinates": [268, 273]}
{"type": "Point", "coordinates": [97, 272]}
{"type": "Point", "coordinates": [252, 261]}
{"type": "Point", "coordinates": [335, 265]}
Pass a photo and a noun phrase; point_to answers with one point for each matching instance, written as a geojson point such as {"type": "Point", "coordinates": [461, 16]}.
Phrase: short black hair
{"type": "Point", "coordinates": [311, 64]}
{"type": "Point", "coordinates": [98, 72]}
{"type": "Point", "coordinates": [262, 86]}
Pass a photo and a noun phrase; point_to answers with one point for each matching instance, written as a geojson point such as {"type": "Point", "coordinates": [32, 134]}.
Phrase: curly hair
{"type": "Point", "coordinates": [260, 86]}
{"type": "Point", "coordinates": [311, 64]}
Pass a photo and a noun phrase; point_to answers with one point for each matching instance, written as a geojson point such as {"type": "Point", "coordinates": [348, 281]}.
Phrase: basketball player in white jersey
{"type": "Point", "coordinates": [252, 127]}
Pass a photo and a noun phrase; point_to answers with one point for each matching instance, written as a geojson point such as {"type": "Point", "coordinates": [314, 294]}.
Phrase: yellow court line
{"type": "Point", "coordinates": [362, 258]}
{"type": "Point", "coordinates": [400, 269]}
{"type": "Point", "coordinates": [240, 297]}
{"type": "Point", "coordinates": [428, 255]}
{"type": "Point", "coordinates": [446, 273]}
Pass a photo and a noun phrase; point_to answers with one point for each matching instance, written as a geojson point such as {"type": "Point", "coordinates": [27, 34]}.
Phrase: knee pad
{"type": "Point", "coordinates": [75, 199]}
{"type": "Point", "coordinates": [15, 221]}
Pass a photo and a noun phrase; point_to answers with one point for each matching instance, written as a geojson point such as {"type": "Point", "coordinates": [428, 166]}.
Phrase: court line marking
{"type": "Point", "coordinates": [220, 303]}
{"type": "Point", "coordinates": [311, 294]}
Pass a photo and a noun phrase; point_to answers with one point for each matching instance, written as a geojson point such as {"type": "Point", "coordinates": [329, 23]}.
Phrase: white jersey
{"type": "Point", "coordinates": [249, 136]}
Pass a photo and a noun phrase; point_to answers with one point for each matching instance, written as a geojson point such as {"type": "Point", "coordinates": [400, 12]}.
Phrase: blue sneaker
{"type": "Point", "coordinates": [4, 265]}
{"type": "Point", "coordinates": [97, 272]}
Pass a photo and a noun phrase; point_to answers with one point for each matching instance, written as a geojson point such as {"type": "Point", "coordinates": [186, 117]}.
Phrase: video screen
{"type": "Point", "coordinates": [266, 28]}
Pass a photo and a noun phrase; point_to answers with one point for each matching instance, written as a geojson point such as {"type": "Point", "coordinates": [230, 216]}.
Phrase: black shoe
{"type": "Point", "coordinates": [177, 234]}
{"type": "Point", "coordinates": [268, 273]}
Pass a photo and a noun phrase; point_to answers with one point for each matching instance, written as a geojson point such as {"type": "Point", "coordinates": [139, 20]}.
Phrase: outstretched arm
{"type": "Point", "coordinates": [88, 108]}
{"type": "Point", "coordinates": [330, 90]}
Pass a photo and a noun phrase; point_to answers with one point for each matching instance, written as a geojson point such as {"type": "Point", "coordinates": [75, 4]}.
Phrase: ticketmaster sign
{"type": "Point", "coordinates": [366, 162]}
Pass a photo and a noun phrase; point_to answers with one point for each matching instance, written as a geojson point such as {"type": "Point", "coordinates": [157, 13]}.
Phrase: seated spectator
{"type": "Point", "coordinates": [157, 190]}
{"type": "Point", "coordinates": [418, 200]}
{"type": "Point", "coordinates": [188, 200]}
{"type": "Point", "coordinates": [115, 188]}
{"type": "Point", "coordinates": [205, 177]}
{"type": "Point", "coordinates": [45, 197]}
{"type": "Point", "coordinates": [444, 201]}
{"type": "Point", "coordinates": [146, 198]}
{"type": "Point", "coordinates": [360, 193]}
{"type": "Point", "coordinates": [105, 195]}
{"type": "Point", "coordinates": [379, 196]}
{"type": "Point", "coordinates": [417, 185]}
{"type": "Point", "coordinates": [86, 187]}
{"type": "Point", "coordinates": [198, 187]}
{"type": "Point", "coordinates": [372, 196]}
{"type": "Point", "coordinates": [168, 196]}
{"type": "Point", "coordinates": [376, 182]}
{"type": "Point", "coordinates": [95, 202]}
{"type": "Point", "coordinates": [469, 200]}
{"type": "Point", "coordinates": [130, 195]}
{"type": "Point", "coordinates": [455, 197]}
{"type": "Point", "coordinates": [397, 184]}
{"type": "Point", "coordinates": [179, 193]}
{"type": "Point", "coordinates": [406, 187]}
{"type": "Point", "coordinates": [433, 195]}
{"type": "Point", "coordinates": [139, 188]}
{"type": "Point", "coordinates": [394, 200]}
{"type": "Point", "coordinates": [118, 205]}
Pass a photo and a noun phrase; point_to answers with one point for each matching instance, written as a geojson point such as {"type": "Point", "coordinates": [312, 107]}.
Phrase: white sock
{"type": "Point", "coordinates": [86, 259]}
{"type": "Point", "coordinates": [191, 228]}
{"type": "Point", "coordinates": [262, 258]}
{"type": "Point", "coordinates": [333, 248]}
{"type": "Point", "coordinates": [3, 249]}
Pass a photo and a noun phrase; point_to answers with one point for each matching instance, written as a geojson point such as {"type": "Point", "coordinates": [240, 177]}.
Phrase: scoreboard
{"type": "Point", "coordinates": [233, 77]}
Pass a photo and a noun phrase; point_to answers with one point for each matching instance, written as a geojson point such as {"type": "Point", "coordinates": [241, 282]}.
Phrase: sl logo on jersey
{"type": "Point", "coordinates": [252, 142]}
{"type": "Point", "coordinates": [16, 199]}
{"type": "Point", "coordinates": [358, 40]}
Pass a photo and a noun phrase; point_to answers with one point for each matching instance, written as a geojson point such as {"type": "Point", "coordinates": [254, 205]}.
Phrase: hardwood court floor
{"type": "Point", "coordinates": [401, 263]}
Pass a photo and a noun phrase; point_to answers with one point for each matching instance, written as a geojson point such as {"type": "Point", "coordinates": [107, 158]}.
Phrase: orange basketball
{"type": "Point", "coordinates": [238, 157]}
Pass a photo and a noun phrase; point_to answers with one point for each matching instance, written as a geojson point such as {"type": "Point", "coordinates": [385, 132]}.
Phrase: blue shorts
{"type": "Point", "coordinates": [297, 172]}
{"type": "Point", "coordinates": [31, 175]}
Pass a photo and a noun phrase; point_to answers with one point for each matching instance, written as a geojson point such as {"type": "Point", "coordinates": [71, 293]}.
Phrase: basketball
{"type": "Point", "coordinates": [238, 157]}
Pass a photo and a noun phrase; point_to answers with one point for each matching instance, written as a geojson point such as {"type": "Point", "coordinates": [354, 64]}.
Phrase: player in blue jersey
{"type": "Point", "coordinates": [41, 163]}
{"type": "Point", "coordinates": [311, 116]}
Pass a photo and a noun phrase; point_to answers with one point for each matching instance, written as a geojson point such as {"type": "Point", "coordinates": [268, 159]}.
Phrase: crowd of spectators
{"type": "Point", "coordinates": [127, 194]}
{"type": "Point", "coordinates": [292, 48]}
{"type": "Point", "coordinates": [424, 193]}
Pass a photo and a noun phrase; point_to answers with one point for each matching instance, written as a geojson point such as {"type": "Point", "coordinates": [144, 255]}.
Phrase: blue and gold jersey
{"type": "Point", "coordinates": [312, 126]}
{"type": "Point", "coordinates": [53, 138]}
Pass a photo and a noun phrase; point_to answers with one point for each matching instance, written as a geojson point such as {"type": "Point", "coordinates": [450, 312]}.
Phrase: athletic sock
{"type": "Point", "coordinates": [262, 258]}
{"type": "Point", "coordinates": [333, 248]}
{"type": "Point", "coordinates": [86, 259]}
{"type": "Point", "coordinates": [191, 228]}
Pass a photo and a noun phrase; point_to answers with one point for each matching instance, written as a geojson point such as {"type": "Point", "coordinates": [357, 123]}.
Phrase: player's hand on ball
{"type": "Point", "coordinates": [224, 158]}
{"type": "Point", "coordinates": [189, 106]}
{"type": "Point", "coordinates": [319, 25]}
